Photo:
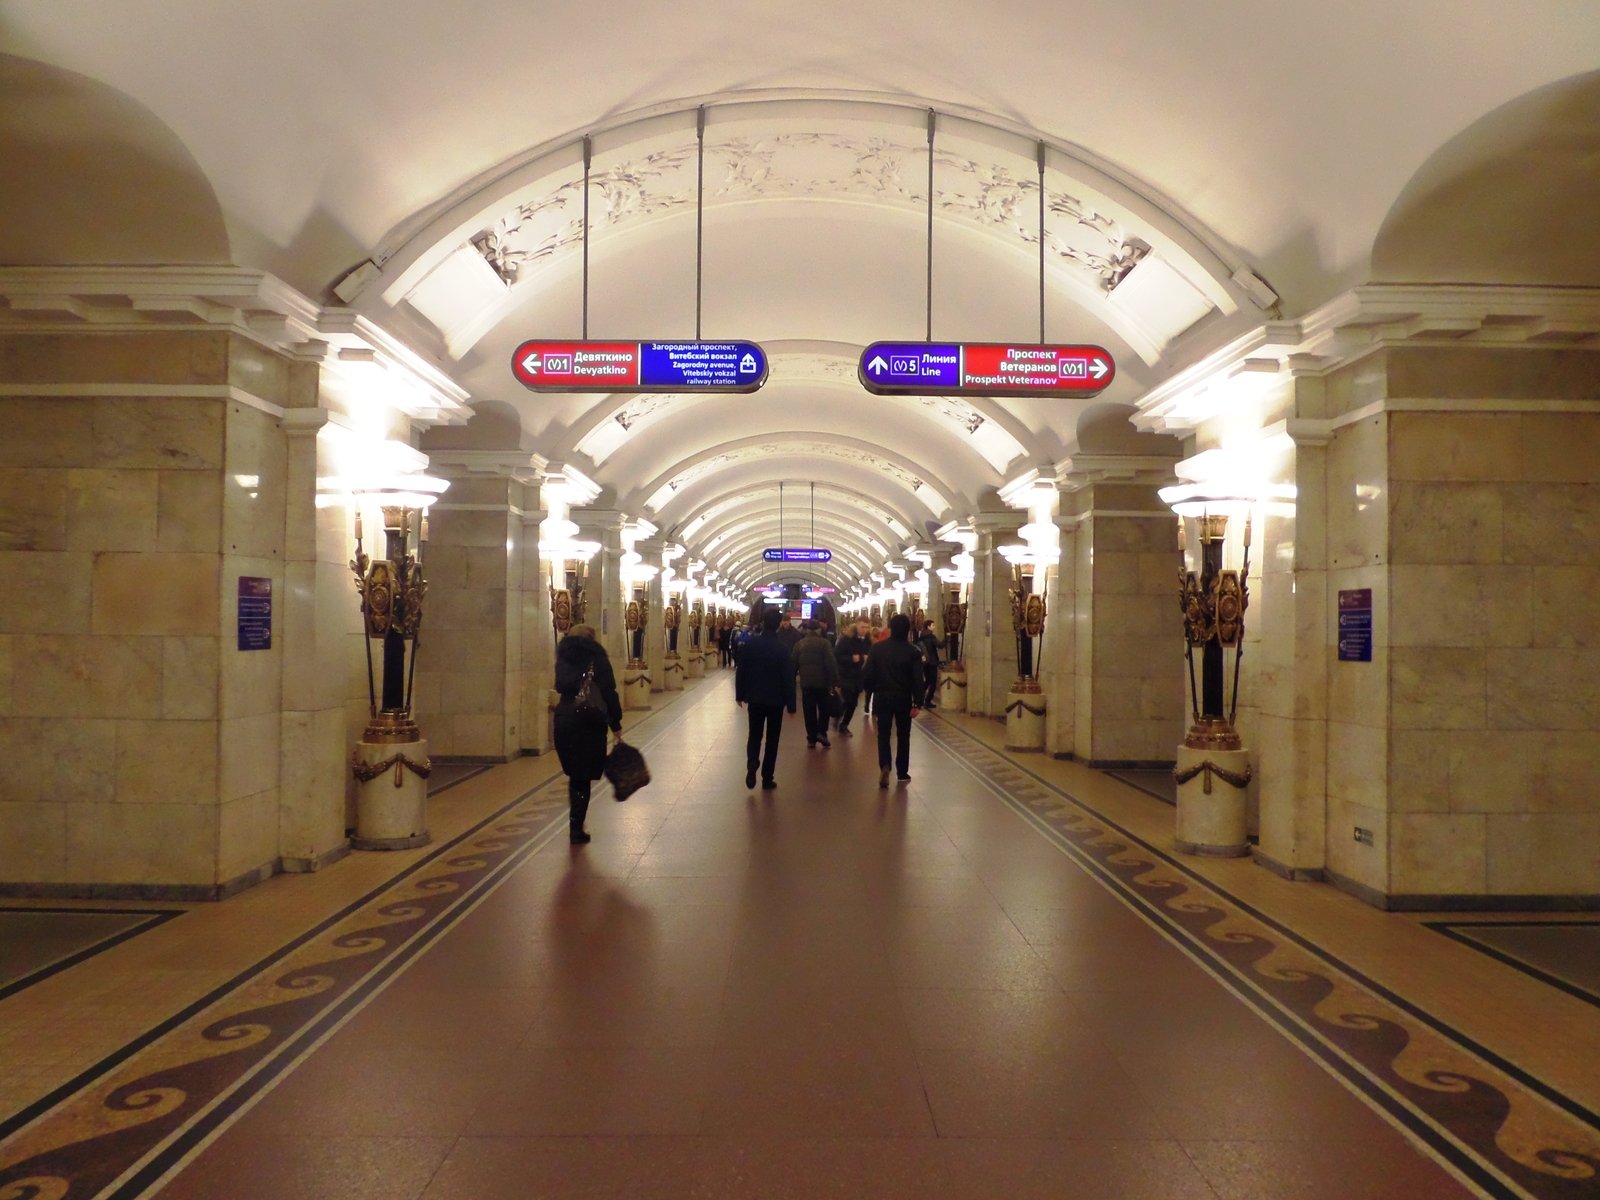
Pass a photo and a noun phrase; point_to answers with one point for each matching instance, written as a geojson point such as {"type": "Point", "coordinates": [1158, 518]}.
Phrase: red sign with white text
{"type": "Point", "coordinates": [987, 367]}
{"type": "Point", "coordinates": [577, 365]}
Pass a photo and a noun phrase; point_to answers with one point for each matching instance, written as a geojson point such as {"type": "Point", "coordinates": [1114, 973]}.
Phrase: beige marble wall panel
{"type": "Point", "coordinates": [1489, 373]}
{"type": "Point", "coordinates": [1358, 758]}
{"type": "Point", "coordinates": [112, 510]}
{"type": "Point", "coordinates": [1135, 741]}
{"type": "Point", "coordinates": [1557, 689]}
{"type": "Point", "coordinates": [1461, 447]}
{"type": "Point", "coordinates": [1419, 769]}
{"type": "Point", "coordinates": [483, 529]}
{"type": "Point", "coordinates": [1460, 606]}
{"type": "Point", "coordinates": [1358, 495]}
{"type": "Point", "coordinates": [487, 569]}
{"type": "Point", "coordinates": [33, 509]}
{"type": "Point", "coordinates": [250, 755]}
{"type": "Point", "coordinates": [315, 764]}
{"type": "Point", "coordinates": [464, 693]}
{"type": "Point", "coordinates": [479, 736]}
{"type": "Point", "coordinates": [154, 433]}
{"type": "Point", "coordinates": [1438, 687]}
{"type": "Point", "coordinates": [34, 849]}
{"type": "Point", "coordinates": [45, 431]}
{"type": "Point", "coordinates": [247, 835]}
{"type": "Point", "coordinates": [1563, 773]}
{"type": "Point", "coordinates": [1435, 854]}
{"type": "Point", "coordinates": [456, 608]}
{"type": "Point", "coordinates": [158, 357]}
{"type": "Point", "coordinates": [170, 594]}
{"type": "Point", "coordinates": [189, 678]}
{"type": "Point", "coordinates": [142, 843]}
{"type": "Point", "coordinates": [446, 565]}
{"type": "Point", "coordinates": [1292, 785]}
{"type": "Point", "coordinates": [1119, 574]}
{"type": "Point", "coordinates": [1560, 447]}
{"type": "Point", "coordinates": [1349, 388]}
{"type": "Point", "coordinates": [426, 692]}
{"type": "Point", "coordinates": [57, 760]}
{"type": "Point", "coordinates": [1445, 522]}
{"type": "Point", "coordinates": [1552, 524]}
{"type": "Point", "coordinates": [6, 652]}
{"type": "Point", "coordinates": [1364, 864]}
{"type": "Point", "coordinates": [1489, 770]}
{"type": "Point", "coordinates": [189, 513]}
{"type": "Point", "coordinates": [253, 484]}
{"type": "Point", "coordinates": [166, 762]}
{"type": "Point", "coordinates": [462, 650]}
{"type": "Point", "coordinates": [1566, 606]}
{"type": "Point", "coordinates": [259, 371]}
{"type": "Point", "coordinates": [86, 676]}
{"type": "Point", "coordinates": [1544, 854]}
{"type": "Point", "coordinates": [43, 592]}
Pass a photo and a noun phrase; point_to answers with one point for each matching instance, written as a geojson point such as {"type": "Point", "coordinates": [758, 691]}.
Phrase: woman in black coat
{"type": "Point", "coordinates": [580, 739]}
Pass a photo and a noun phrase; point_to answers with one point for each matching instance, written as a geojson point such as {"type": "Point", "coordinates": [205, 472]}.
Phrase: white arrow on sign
{"type": "Point", "coordinates": [1099, 369]}
{"type": "Point", "coordinates": [877, 366]}
{"type": "Point", "coordinates": [531, 363]}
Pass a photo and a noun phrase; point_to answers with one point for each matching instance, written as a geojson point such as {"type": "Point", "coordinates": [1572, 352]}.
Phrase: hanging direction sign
{"type": "Point", "coordinates": [639, 366]}
{"type": "Point", "coordinates": [777, 554]}
{"type": "Point", "coordinates": [984, 369]}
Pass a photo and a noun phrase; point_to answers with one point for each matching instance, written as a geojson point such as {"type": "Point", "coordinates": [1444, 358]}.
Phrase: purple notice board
{"type": "Point", "coordinates": [255, 612]}
{"type": "Point", "coordinates": [1355, 625]}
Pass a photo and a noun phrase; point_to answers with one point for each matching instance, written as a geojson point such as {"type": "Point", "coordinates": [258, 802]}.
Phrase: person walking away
{"type": "Point", "coordinates": [893, 672]}
{"type": "Point", "coordinates": [580, 737]}
{"type": "Point", "coordinates": [851, 654]}
{"type": "Point", "coordinates": [928, 643]}
{"type": "Point", "coordinates": [819, 680]}
{"type": "Point", "coordinates": [764, 680]}
{"type": "Point", "coordinates": [880, 634]}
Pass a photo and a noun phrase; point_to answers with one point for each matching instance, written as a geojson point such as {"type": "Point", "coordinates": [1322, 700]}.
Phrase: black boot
{"type": "Point", "coordinates": [578, 806]}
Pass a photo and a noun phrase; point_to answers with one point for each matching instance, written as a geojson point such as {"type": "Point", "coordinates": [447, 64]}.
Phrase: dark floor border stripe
{"type": "Point", "coordinates": [157, 916]}
{"type": "Point", "coordinates": [1454, 931]}
{"type": "Point", "coordinates": [26, 1116]}
{"type": "Point", "coordinates": [1533, 1084]}
{"type": "Point", "coordinates": [1451, 1154]}
{"type": "Point", "coordinates": [459, 780]}
{"type": "Point", "coordinates": [171, 1156]}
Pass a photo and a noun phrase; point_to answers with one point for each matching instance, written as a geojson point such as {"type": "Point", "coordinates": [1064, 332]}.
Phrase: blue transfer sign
{"type": "Point", "coordinates": [639, 366]}
{"type": "Point", "coordinates": [1355, 625]}
{"type": "Point", "coordinates": [255, 612]}
{"type": "Point", "coordinates": [776, 554]}
{"type": "Point", "coordinates": [984, 368]}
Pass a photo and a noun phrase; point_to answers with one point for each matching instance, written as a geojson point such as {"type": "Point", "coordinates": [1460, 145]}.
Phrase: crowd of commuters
{"type": "Point", "coordinates": [894, 671]}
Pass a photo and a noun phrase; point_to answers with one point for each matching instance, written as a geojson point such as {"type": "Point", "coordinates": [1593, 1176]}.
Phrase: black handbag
{"type": "Point", "coordinates": [587, 701]}
{"type": "Point", "coordinates": [835, 704]}
{"type": "Point", "coordinates": [625, 770]}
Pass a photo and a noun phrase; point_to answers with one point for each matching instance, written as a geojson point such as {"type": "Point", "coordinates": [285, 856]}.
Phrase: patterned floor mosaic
{"type": "Point", "coordinates": [1495, 1127]}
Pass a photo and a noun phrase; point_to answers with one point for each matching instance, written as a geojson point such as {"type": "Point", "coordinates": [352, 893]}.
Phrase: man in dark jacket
{"type": "Point", "coordinates": [819, 679]}
{"type": "Point", "coordinates": [764, 681]}
{"type": "Point", "coordinates": [893, 673]}
{"type": "Point", "coordinates": [581, 737]}
{"type": "Point", "coordinates": [928, 643]}
{"type": "Point", "coordinates": [851, 654]}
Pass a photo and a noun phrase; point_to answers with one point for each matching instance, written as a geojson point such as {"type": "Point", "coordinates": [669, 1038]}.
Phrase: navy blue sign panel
{"type": "Point", "coordinates": [639, 366]}
{"type": "Point", "coordinates": [255, 612]}
{"type": "Point", "coordinates": [984, 369]}
{"type": "Point", "coordinates": [1355, 625]}
{"type": "Point", "coordinates": [776, 554]}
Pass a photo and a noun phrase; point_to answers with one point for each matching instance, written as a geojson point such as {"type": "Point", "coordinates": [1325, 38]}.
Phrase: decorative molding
{"type": "Point", "coordinates": [519, 465]}
{"type": "Point", "coordinates": [1363, 321]}
{"type": "Point", "coordinates": [245, 303]}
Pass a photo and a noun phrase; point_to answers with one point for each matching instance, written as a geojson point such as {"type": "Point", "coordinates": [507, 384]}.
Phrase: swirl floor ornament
{"type": "Point", "coordinates": [1496, 1128]}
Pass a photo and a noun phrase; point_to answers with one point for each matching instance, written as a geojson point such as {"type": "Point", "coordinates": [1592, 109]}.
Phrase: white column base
{"type": "Point", "coordinates": [696, 665]}
{"type": "Point", "coordinates": [1025, 720]}
{"type": "Point", "coordinates": [391, 807]}
{"type": "Point", "coordinates": [636, 685]}
{"type": "Point", "coordinates": [672, 673]}
{"type": "Point", "coordinates": [952, 694]}
{"type": "Point", "coordinates": [1211, 810]}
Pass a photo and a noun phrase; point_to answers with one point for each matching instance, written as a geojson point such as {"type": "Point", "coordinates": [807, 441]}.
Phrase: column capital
{"type": "Point", "coordinates": [505, 464]}
{"type": "Point", "coordinates": [1086, 470]}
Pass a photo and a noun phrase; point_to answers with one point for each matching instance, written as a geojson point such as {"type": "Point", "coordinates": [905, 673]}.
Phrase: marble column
{"type": "Point", "coordinates": [608, 600]}
{"type": "Point", "coordinates": [538, 636]}
{"type": "Point", "coordinates": [991, 646]}
{"type": "Point", "coordinates": [655, 639]}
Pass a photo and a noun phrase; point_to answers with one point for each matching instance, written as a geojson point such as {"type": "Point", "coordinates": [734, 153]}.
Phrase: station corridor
{"type": "Point", "coordinates": [988, 982]}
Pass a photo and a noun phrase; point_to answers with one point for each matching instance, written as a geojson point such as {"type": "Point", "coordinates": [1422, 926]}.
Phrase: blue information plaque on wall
{"type": "Point", "coordinates": [255, 612]}
{"type": "Point", "coordinates": [1355, 625]}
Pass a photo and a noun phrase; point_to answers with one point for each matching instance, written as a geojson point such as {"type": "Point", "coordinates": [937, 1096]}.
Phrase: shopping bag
{"type": "Point", "coordinates": [625, 769]}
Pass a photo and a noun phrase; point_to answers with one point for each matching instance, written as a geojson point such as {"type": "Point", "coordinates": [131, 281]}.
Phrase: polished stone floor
{"type": "Point", "coordinates": [992, 982]}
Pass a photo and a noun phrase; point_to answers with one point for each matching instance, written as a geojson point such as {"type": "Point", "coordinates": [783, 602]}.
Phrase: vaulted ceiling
{"type": "Point", "coordinates": [764, 175]}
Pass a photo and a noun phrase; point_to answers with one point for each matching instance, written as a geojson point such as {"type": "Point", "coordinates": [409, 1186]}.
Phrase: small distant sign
{"type": "Point", "coordinates": [1355, 625]}
{"type": "Point", "coordinates": [804, 555]}
{"type": "Point", "coordinates": [639, 366]}
{"type": "Point", "coordinates": [255, 612]}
